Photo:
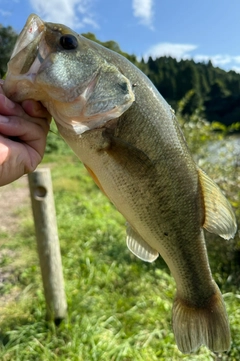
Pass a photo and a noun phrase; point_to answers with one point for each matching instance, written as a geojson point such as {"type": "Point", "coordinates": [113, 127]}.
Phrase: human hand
{"type": "Point", "coordinates": [23, 132]}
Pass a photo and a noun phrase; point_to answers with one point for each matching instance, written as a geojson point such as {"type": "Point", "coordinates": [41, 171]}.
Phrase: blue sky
{"type": "Point", "coordinates": [202, 30]}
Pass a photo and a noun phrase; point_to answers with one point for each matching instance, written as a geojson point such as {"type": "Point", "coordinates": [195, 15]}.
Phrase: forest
{"type": "Point", "coordinates": [213, 90]}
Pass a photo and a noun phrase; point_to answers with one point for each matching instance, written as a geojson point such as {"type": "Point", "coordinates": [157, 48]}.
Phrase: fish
{"type": "Point", "coordinates": [128, 138]}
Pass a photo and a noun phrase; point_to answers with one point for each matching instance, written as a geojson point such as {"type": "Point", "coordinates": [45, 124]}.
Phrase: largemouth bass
{"type": "Point", "coordinates": [128, 138]}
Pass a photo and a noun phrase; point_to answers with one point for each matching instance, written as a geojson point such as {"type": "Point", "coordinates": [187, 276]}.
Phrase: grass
{"type": "Point", "coordinates": [119, 308]}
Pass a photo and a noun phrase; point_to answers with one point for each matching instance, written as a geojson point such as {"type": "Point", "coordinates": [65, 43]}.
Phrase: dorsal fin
{"type": "Point", "coordinates": [219, 216]}
{"type": "Point", "coordinates": [139, 247]}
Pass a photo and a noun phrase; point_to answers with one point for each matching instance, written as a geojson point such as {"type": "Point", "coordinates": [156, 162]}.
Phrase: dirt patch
{"type": "Point", "coordinates": [13, 197]}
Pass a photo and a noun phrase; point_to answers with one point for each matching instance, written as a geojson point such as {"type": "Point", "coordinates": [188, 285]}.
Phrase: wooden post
{"type": "Point", "coordinates": [44, 214]}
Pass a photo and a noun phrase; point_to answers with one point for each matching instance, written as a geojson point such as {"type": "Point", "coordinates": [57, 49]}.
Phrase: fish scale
{"type": "Point", "coordinates": [129, 139]}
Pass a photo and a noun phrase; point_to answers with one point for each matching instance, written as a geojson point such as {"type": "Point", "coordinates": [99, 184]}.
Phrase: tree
{"type": "Point", "coordinates": [112, 45]}
{"type": "Point", "coordinates": [7, 40]}
{"type": "Point", "coordinates": [217, 91]}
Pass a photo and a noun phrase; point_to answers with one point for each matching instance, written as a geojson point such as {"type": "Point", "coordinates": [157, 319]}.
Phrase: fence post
{"type": "Point", "coordinates": [44, 214]}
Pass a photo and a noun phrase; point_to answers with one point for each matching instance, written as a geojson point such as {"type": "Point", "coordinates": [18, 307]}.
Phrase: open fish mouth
{"type": "Point", "coordinates": [50, 63]}
{"type": "Point", "coordinates": [28, 56]}
{"type": "Point", "coordinates": [29, 52]}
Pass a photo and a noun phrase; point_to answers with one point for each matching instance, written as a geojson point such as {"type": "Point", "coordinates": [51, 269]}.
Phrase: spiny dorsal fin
{"type": "Point", "coordinates": [219, 216]}
{"type": "Point", "coordinates": [139, 247]}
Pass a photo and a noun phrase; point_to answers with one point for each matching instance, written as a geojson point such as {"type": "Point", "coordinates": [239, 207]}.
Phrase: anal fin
{"type": "Point", "coordinates": [219, 216]}
{"type": "Point", "coordinates": [139, 247]}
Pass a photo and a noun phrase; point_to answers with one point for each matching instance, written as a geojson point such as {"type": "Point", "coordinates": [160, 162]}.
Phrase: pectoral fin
{"type": "Point", "coordinates": [139, 247]}
{"type": "Point", "coordinates": [219, 216]}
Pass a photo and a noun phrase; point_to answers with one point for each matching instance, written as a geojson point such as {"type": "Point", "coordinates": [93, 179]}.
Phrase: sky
{"type": "Point", "coordinates": [185, 29]}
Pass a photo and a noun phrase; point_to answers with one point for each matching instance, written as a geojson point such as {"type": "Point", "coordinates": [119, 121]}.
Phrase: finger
{"type": "Point", "coordinates": [30, 110]}
{"type": "Point", "coordinates": [30, 107]}
{"type": "Point", "coordinates": [6, 105]}
{"type": "Point", "coordinates": [9, 108]}
{"type": "Point", "coordinates": [35, 109]}
{"type": "Point", "coordinates": [18, 158]}
{"type": "Point", "coordinates": [26, 131]}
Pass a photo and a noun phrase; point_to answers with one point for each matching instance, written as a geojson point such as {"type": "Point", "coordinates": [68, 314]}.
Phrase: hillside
{"type": "Point", "coordinates": [215, 91]}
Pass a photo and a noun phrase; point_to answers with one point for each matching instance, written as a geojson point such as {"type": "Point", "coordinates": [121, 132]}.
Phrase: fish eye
{"type": "Point", "coordinates": [68, 42]}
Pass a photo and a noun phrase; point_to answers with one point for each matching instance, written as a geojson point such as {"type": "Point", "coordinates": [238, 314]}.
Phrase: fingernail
{"type": "Point", "coordinates": [4, 119]}
{"type": "Point", "coordinates": [9, 104]}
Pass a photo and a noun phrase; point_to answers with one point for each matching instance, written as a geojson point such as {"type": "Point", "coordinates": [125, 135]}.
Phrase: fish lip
{"type": "Point", "coordinates": [24, 63]}
{"type": "Point", "coordinates": [33, 27]}
{"type": "Point", "coordinates": [27, 48]}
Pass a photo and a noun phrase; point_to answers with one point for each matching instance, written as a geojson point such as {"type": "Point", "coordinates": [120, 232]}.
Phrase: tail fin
{"type": "Point", "coordinates": [195, 326]}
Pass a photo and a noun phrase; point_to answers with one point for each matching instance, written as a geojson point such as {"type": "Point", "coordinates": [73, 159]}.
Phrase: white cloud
{"type": "Point", "coordinates": [178, 51]}
{"type": "Point", "coordinates": [143, 9]}
{"type": "Point", "coordinates": [236, 69]}
{"type": "Point", "coordinates": [188, 51]}
{"type": "Point", "coordinates": [217, 60]}
{"type": "Point", "coordinates": [237, 59]}
{"type": "Point", "coordinates": [224, 61]}
{"type": "Point", "coordinates": [73, 13]}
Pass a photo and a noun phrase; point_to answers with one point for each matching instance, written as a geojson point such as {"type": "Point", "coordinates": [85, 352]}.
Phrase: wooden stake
{"type": "Point", "coordinates": [44, 214]}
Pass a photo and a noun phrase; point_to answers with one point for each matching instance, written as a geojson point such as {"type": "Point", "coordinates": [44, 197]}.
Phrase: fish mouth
{"type": "Point", "coordinates": [27, 57]}
{"type": "Point", "coordinates": [28, 53]}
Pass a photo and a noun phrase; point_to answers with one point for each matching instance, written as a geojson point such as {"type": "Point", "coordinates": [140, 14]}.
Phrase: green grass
{"type": "Point", "coordinates": [119, 308]}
